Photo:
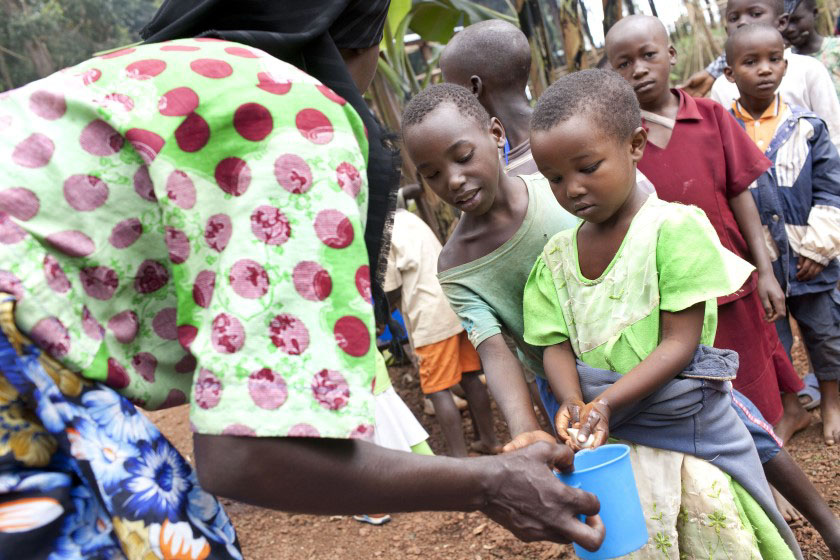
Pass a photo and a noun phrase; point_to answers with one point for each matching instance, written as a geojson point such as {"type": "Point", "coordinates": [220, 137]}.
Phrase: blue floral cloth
{"type": "Point", "coordinates": [83, 474]}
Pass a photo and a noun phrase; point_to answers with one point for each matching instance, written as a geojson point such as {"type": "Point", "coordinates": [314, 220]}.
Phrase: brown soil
{"type": "Point", "coordinates": [271, 535]}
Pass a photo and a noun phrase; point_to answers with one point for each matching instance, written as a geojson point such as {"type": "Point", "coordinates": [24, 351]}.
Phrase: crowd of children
{"type": "Point", "coordinates": [623, 231]}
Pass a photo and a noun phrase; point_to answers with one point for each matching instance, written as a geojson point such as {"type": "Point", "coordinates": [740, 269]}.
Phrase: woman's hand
{"type": "Point", "coordinates": [526, 497]}
{"type": "Point", "coordinates": [525, 439]}
{"type": "Point", "coordinates": [772, 296]}
{"type": "Point", "coordinates": [568, 416]}
{"type": "Point", "coordinates": [594, 420]}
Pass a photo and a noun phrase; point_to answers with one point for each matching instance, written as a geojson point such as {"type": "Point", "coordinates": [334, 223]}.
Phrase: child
{"type": "Point", "coordinates": [807, 84]}
{"type": "Point", "coordinates": [799, 202]}
{"type": "Point", "coordinates": [445, 354]}
{"type": "Point", "coordinates": [631, 289]}
{"type": "Point", "coordinates": [697, 154]}
{"type": "Point", "coordinates": [801, 32]}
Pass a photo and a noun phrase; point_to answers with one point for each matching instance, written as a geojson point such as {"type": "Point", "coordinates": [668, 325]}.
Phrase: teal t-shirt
{"type": "Point", "coordinates": [486, 293]}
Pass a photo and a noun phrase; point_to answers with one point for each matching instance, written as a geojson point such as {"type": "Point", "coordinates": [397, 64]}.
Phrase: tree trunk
{"type": "Point", "coordinates": [570, 24]}
{"type": "Point", "coordinates": [631, 7]}
{"type": "Point", "coordinates": [653, 8]}
{"type": "Point", "coordinates": [612, 13]}
{"type": "Point", "coordinates": [34, 48]}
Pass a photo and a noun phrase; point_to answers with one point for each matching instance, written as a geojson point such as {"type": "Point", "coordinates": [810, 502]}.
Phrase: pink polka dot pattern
{"type": "Point", "coordinates": [145, 142]}
{"type": "Point", "coordinates": [145, 69]}
{"type": "Point", "coordinates": [207, 390]}
{"type": "Point", "coordinates": [151, 276]}
{"type": "Point", "coordinates": [178, 102]}
{"type": "Point", "coordinates": [91, 326]}
{"type": "Point", "coordinates": [164, 323]}
{"type": "Point", "coordinates": [55, 276]}
{"type": "Point", "coordinates": [363, 283]}
{"type": "Point", "coordinates": [176, 397]}
{"type": "Point", "coordinates": [211, 68]}
{"type": "Point", "coordinates": [10, 232]}
{"type": "Point", "coordinates": [118, 102]}
{"type": "Point", "coordinates": [47, 105]}
{"type": "Point", "coordinates": [145, 365]}
{"type": "Point", "coordinates": [252, 121]}
{"type": "Point", "coordinates": [271, 85]}
{"type": "Point", "coordinates": [117, 376]}
{"type": "Point", "coordinates": [72, 243]}
{"type": "Point", "coordinates": [182, 48]}
{"type": "Point", "coordinates": [233, 176]}
{"type": "Point", "coordinates": [349, 179]}
{"type": "Point", "coordinates": [33, 152]}
{"type": "Point", "coordinates": [90, 76]}
{"type": "Point", "coordinates": [99, 282]}
{"type": "Point", "coordinates": [334, 229]}
{"type": "Point", "coordinates": [125, 233]}
{"type": "Point", "coordinates": [51, 335]}
{"type": "Point", "coordinates": [21, 203]}
{"type": "Point", "coordinates": [293, 173]}
{"type": "Point", "coordinates": [239, 51]}
{"type": "Point", "coordinates": [249, 279]}
{"type": "Point", "coordinates": [5, 122]}
{"type": "Point", "coordinates": [186, 335]}
{"type": "Point", "coordinates": [11, 284]}
{"type": "Point", "coordinates": [218, 231]}
{"type": "Point", "coordinates": [314, 126]}
{"type": "Point", "coordinates": [352, 336]}
{"type": "Point", "coordinates": [100, 139]}
{"type": "Point", "coordinates": [187, 364]}
{"type": "Point", "coordinates": [124, 325]}
{"type": "Point", "coordinates": [267, 389]}
{"type": "Point", "coordinates": [178, 244]}
{"type": "Point", "coordinates": [203, 288]}
{"type": "Point", "coordinates": [270, 225]}
{"type": "Point", "coordinates": [331, 95]}
{"type": "Point", "coordinates": [85, 192]}
{"type": "Point", "coordinates": [193, 134]}
{"type": "Point", "coordinates": [330, 389]}
{"type": "Point", "coordinates": [143, 184]}
{"type": "Point", "coordinates": [121, 52]}
{"type": "Point", "coordinates": [303, 430]}
{"type": "Point", "coordinates": [228, 334]}
{"type": "Point", "coordinates": [363, 431]}
{"type": "Point", "coordinates": [240, 430]}
{"type": "Point", "coordinates": [312, 281]}
{"type": "Point", "coordinates": [289, 334]}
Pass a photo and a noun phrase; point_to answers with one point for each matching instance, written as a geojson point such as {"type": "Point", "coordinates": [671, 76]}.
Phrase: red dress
{"type": "Point", "coordinates": [709, 160]}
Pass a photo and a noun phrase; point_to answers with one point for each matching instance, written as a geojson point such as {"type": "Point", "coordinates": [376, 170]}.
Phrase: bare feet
{"type": "Point", "coordinates": [794, 419]}
{"type": "Point", "coordinates": [790, 513]}
{"type": "Point", "coordinates": [830, 411]}
{"type": "Point", "coordinates": [484, 449]}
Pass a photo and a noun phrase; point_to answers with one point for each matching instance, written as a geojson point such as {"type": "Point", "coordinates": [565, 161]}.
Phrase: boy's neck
{"type": "Point", "coordinates": [813, 45]}
{"type": "Point", "coordinates": [668, 104]}
{"type": "Point", "coordinates": [755, 106]}
{"type": "Point", "coordinates": [514, 111]}
{"type": "Point", "coordinates": [503, 204]}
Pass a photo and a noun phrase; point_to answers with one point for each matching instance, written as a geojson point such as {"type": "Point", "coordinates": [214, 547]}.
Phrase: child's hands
{"type": "Point", "coordinates": [527, 438]}
{"type": "Point", "coordinates": [807, 269]}
{"type": "Point", "coordinates": [772, 297]}
{"type": "Point", "coordinates": [568, 416]}
{"type": "Point", "coordinates": [594, 419]}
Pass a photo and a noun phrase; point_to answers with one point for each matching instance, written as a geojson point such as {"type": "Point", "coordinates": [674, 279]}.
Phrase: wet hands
{"type": "Point", "coordinates": [527, 499]}
{"type": "Point", "coordinates": [592, 419]}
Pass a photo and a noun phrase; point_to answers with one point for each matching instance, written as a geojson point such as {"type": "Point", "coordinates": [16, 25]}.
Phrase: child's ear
{"type": "Point", "coordinates": [786, 67]}
{"type": "Point", "coordinates": [637, 144]}
{"type": "Point", "coordinates": [476, 85]}
{"type": "Point", "coordinates": [672, 54]}
{"type": "Point", "coordinates": [782, 22]}
{"type": "Point", "coordinates": [497, 129]}
{"type": "Point", "coordinates": [727, 71]}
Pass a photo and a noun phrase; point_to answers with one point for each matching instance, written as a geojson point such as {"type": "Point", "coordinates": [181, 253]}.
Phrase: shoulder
{"type": "Point", "coordinates": [451, 255]}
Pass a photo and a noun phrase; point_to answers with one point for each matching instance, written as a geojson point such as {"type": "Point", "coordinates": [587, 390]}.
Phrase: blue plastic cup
{"type": "Point", "coordinates": [608, 473]}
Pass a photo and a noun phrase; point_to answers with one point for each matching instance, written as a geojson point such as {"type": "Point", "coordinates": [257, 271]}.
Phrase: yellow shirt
{"type": "Point", "coordinates": [761, 131]}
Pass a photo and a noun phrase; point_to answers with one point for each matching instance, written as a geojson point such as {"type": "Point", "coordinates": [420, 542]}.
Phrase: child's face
{"type": "Point", "coordinates": [457, 157]}
{"type": "Point", "coordinates": [800, 26]}
{"type": "Point", "coordinates": [743, 12]}
{"type": "Point", "coordinates": [591, 172]}
{"type": "Point", "coordinates": [759, 64]}
{"type": "Point", "coordinates": [644, 61]}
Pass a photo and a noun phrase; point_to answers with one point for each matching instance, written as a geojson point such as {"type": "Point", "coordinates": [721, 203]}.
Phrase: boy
{"type": "Point", "coordinates": [717, 162]}
{"type": "Point", "coordinates": [444, 352]}
{"type": "Point", "coordinates": [807, 83]}
{"type": "Point", "coordinates": [799, 204]}
{"type": "Point", "coordinates": [801, 32]}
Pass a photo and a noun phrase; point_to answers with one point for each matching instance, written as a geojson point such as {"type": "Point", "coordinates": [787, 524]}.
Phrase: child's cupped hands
{"type": "Point", "coordinates": [568, 416]}
{"type": "Point", "coordinates": [772, 297]}
{"type": "Point", "coordinates": [575, 422]}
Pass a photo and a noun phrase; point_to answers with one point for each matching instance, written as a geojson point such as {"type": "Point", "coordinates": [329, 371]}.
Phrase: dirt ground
{"type": "Point", "coordinates": [270, 535]}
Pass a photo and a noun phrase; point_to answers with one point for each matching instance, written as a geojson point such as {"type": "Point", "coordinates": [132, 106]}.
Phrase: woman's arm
{"type": "Point", "coordinates": [328, 476]}
{"type": "Point", "coordinates": [746, 214]}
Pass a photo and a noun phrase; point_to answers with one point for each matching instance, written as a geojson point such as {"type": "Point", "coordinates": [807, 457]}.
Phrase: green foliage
{"type": "Point", "coordinates": [39, 36]}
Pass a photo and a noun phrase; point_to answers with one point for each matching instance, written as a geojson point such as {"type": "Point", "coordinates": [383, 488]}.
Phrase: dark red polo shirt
{"type": "Point", "coordinates": [708, 160]}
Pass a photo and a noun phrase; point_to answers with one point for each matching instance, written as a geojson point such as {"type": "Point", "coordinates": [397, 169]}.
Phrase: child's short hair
{"type": "Point", "coordinates": [602, 94]}
{"type": "Point", "coordinates": [430, 98]}
{"type": "Point", "coordinates": [743, 32]}
{"type": "Point", "coordinates": [495, 50]}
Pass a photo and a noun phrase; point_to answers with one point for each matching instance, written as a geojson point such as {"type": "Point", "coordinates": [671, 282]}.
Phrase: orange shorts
{"type": "Point", "coordinates": [442, 363]}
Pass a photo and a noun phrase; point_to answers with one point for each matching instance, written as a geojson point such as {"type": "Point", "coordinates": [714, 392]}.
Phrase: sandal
{"type": "Point", "coordinates": [365, 518]}
{"type": "Point", "coordinates": [811, 392]}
